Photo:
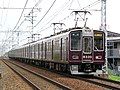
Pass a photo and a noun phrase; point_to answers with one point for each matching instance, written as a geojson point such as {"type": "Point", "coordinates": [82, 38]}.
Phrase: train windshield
{"type": "Point", "coordinates": [75, 40]}
{"type": "Point", "coordinates": [98, 41]}
{"type": "Point", "coordinates": [87, 44]}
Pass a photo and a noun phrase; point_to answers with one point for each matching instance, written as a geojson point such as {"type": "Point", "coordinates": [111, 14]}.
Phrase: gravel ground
{"type": "Point", "coordinates": [10, 80]}
{"type": "Point", "coordinates": [40, 82]}
{"type": "Point", "coordinates": [72, 83]}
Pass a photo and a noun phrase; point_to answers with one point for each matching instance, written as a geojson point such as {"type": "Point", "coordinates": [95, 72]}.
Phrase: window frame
{"type": "Point", "coordinates": [84, 45]}
{"type": "Point", "coordinates": [80, 43]}
{"type": "Point", "coordinates": [103, 42]}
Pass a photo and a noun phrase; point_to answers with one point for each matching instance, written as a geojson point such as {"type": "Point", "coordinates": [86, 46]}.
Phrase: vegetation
{"type": "Point", "coordinates": [112, 76]}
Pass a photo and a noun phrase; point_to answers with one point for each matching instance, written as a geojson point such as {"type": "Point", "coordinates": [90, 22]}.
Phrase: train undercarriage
{"type": "Point", "coordinates": [75, 69]}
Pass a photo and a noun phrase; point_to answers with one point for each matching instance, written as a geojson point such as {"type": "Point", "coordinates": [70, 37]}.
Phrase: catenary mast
{"type": "Point", "coordinates": [103, 28]}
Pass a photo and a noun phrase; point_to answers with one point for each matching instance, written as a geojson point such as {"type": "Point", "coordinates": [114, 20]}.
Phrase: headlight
{"type": "Point", "coordinates": [98, 57]}
{"type": "Point", "coordinates": [75, 57]}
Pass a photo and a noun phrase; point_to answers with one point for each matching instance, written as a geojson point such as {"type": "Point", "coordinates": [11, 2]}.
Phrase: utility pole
{"type": "Point", "coordinates": [103, 27]}
{"type": "Point", "coordinates": [31, 19]}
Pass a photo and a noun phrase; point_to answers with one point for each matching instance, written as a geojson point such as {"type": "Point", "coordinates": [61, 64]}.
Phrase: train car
{"type": "Point", "coordinates": [75, 50]}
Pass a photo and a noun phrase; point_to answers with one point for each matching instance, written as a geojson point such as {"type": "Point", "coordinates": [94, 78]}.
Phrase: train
{"type": "Point", "coordinates": [78, 50]}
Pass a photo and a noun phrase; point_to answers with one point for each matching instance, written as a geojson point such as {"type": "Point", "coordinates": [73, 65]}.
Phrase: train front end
{"type": "Point", "coordinates": [86, 51]}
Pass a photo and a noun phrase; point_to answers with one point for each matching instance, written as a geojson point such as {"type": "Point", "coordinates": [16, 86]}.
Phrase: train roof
{"type": "Point", "coordinates": [53, 35]}
{"type": "Point", "coordinates": [58, 33]}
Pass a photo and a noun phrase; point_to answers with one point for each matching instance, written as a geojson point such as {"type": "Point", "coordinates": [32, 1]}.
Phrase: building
{"type": "Point", "coordinates": [113, 45]}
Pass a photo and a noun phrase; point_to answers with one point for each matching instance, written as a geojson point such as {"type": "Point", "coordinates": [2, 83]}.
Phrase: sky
{"type": "Point", "coordinates": [45, 14]}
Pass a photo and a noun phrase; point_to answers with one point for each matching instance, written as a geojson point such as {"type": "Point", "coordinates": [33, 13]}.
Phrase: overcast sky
{"type": "Point", "coordinates": [59, 12]}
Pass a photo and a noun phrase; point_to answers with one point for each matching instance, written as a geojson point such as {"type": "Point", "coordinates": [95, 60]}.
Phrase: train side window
{"type": "Point", "coordinates": [75, 37]}
{"type": "Point", "coordinates": [115, 44]}
{"type": "Point", "coordinates": [49, 46]}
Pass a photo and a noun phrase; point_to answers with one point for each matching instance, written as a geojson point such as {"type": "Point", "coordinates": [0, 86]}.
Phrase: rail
{"type": "Point", "coordinates": [46, 78]}
{"type": "Point", "coordinates": [27, 80]}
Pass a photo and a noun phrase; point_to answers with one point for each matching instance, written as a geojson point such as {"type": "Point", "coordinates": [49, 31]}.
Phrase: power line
{"type": "Point", "coordinates": [21, 15]}
{"type": "Point", "coordinates": [31, 11]}
{"type": "Point", "coordinates": [25, 18]}
{"type": "Point", "coordinates": [88, 6]}
{"type": "Point", "coordinates": [19, 19]}
{"type": "Point", "coordinates": [55, 14]}
{"type": "Point", "coordinates": [16, 8]}
{"type": "Point", "coordinates": [45, 13]}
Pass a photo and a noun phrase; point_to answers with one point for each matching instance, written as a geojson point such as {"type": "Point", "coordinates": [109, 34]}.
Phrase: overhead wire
{"type": "Point", "coordinates": [6, 34]}
{"type": "Point", "coordinates": [91, 5]}
{"type": "Point", "coordinates": [45, 14]}
{"type": "Point", "coordinates": [2, 14]}
{"type": "Point", "coordinates": [20, 15]}
{"type": "Point", "coordinates": [88, 6]}
{"type": "Point", "coordinates": [6, 12]}
{"type": "Point", "coordinates": [54, 15]}
{"type": "Point", "coordinates": [18, 19]}
{"type": "Point", "coordinates": [84, 8]}
{"type": "Point", "coordinates": [29, 14]}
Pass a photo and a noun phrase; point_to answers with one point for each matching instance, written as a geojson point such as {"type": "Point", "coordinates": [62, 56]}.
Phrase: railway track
{"type": "Point", "coordinates": [57, 85]}
{"type": "Point", "coordinates": [24, 78]}
{"type": "Point", "coordinates": [106, 83]}
{"type": "Point", "coordinates": [115, 85]}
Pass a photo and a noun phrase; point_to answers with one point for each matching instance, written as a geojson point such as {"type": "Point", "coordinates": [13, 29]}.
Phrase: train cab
{"type": "Point", "coordinates": [86, 51]}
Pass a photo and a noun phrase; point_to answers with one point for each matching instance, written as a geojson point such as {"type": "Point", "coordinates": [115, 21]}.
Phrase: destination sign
{"type": "Point", "coordinates": [98, 34]}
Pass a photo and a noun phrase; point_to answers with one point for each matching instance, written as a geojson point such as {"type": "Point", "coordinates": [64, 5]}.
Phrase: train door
{"type": "Point", "coordinates": [99, 46]}
{"type": "Point", "coordinates": [87, 49]}
{"type": "Point", "coordinates": [64, 48]}
{"type": "Point", "coordinates": [41, 50]}
{"type": "Point", "coordinates": [34, 46]}
{"type": "Point", "coordinates": [49, 51]}
{"type": "Point", "coordinates": [52, 48]}
{"type": "Point", "coordinates": [45, 50]}
{"type": "Point", "coordinates": [61, 48]}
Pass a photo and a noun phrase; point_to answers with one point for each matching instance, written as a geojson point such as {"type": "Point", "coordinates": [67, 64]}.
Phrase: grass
{"type": "Point", "coordinates": [112, 76]}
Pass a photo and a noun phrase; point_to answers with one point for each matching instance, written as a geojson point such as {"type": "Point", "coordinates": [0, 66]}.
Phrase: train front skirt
{"type": "Point", "coordinates": [74, 69]}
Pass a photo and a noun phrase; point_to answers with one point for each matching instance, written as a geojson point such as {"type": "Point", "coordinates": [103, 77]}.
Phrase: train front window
{"type": "Point", "coordinates": [98, 41]}
{"type": "Point", "coordinates": [75, 40]}
{"type": "Point", "coordinates": [87, 44]}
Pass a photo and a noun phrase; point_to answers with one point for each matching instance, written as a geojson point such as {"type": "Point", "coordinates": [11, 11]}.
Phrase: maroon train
{"type": "Point", "coordinates": [76, 50]}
